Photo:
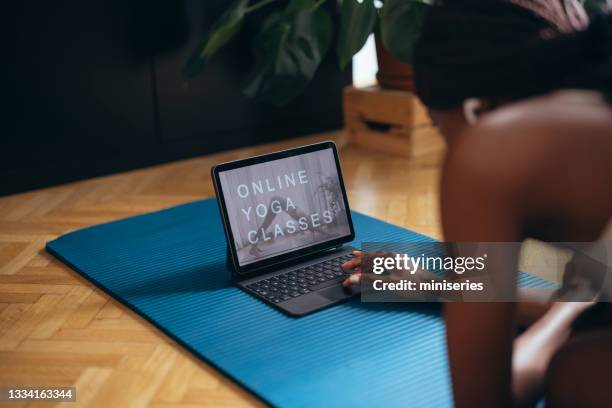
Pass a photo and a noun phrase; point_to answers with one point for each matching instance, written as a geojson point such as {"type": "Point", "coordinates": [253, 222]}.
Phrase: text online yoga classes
{"type": "Point", "coordinates": [278, 205]}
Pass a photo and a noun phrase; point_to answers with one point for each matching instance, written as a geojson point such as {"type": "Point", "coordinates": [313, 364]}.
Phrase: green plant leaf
{"type": "Point", "coordinates": [357, 21]}
{"type": "Point", "coordinates": [224, 29]}
{"type": "Point", "coordinates": [288, 50]}
{"type": "Point", "coordinates": [400, 26]}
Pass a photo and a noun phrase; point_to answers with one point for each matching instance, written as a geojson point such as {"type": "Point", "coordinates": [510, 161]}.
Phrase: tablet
{"type": "Point", "coordinates": [282, 206]}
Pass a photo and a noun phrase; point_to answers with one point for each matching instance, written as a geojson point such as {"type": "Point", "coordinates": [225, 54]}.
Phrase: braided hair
{"type": "Point", "coordinates": [510, 50]}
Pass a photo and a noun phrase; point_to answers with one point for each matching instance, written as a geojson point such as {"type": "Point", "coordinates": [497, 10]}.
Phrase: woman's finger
{"type": "Point", "coordinates": [354, 279]}
{"type": "Point", "coordinates": [352, 264]}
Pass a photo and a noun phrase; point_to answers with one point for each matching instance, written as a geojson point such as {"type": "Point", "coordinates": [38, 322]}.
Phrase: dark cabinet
{"type": "Point", "coordinates": [95, 87]}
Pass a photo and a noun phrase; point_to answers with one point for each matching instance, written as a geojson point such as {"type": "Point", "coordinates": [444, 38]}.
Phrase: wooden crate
{"type": "Point", "coordinates": [389, 121]}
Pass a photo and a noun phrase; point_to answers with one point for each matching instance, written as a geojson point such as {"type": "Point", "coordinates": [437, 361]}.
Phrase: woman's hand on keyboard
{"type": "Point", "coordinates": [355, 266]}
{"type": "Point", "coordinates": [358, 276]}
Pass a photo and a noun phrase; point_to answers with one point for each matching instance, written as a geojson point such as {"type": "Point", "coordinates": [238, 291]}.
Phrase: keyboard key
{"type": "Point", "coordinates": [328, 267]}
{"type": "Point", "coordinates": [295, 294]}
{"type": "Point", "coordinates": [324, 284]}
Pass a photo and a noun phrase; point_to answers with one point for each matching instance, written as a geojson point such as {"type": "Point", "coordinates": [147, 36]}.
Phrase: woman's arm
{"type": "Point", "coordinates": [534, 349]}
{"type": "Point", "coordinates": [485, 197]}
{"type": "Point", "coordinates": [479, 341]}
{"type": "Point", "coordinates": [478, 204]}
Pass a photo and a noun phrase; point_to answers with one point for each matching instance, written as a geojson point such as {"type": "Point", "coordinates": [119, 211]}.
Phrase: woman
{"type": "Point", "coordinates": [521, 92]}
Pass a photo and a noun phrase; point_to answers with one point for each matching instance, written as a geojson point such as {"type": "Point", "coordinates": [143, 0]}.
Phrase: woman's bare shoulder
{"type": "Point", "coordinates": [564, 113]}
{"type": "Point", "coordinates": [521, 137]}
{"type": "Point", "coordinates": [542, 152]}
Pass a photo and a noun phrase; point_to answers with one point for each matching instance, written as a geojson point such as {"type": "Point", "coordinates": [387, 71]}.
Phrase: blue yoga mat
{"type": "Point", "coordinates": [169, 266]}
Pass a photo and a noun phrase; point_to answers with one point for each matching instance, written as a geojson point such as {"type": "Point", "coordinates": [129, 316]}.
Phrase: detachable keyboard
{"type": "Point", "coordinates": [302, 281]}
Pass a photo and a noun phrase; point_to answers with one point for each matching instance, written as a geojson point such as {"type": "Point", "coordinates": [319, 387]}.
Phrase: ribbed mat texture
{"type": "Point", "coordinates": [169, 266]}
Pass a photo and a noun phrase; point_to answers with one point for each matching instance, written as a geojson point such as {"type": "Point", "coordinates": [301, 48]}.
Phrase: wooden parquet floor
{"type": "Point", "coordinates": [56, 329]}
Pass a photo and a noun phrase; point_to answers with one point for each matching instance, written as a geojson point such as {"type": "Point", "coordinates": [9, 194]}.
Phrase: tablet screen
{"type": "Point", "coordinates": [284, 205]}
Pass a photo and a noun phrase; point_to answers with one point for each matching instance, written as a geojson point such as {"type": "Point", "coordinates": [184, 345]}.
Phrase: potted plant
{"type": "Point", "coordinates": [293, 40]}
